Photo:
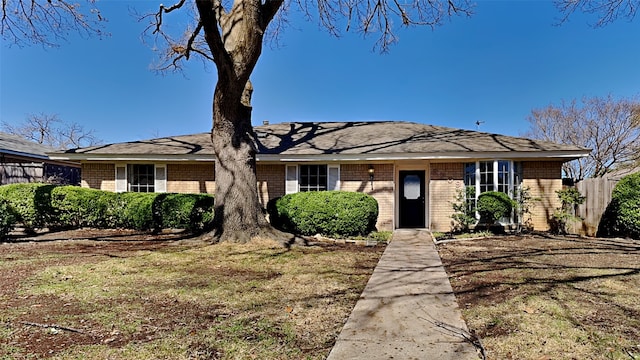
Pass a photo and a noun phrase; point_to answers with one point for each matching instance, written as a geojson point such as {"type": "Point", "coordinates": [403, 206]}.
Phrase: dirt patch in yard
{"type": "Point", "coordinates": [549, 297]}
{"type": "Point", "coordinates": [126, 295]}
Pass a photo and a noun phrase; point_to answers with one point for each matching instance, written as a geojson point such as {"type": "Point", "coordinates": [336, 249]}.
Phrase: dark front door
{"type": "Point", "coordinates": [412, 199]}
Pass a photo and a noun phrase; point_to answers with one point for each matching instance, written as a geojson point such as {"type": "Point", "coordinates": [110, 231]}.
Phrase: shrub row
{"type": "Point", "coordinates": [43, 205]}
{"type": "Point", "coordinates": [332, 213]}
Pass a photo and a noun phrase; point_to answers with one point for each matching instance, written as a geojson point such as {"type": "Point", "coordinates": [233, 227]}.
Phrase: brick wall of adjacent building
{"type": "Point", "coordinates": [446, 179]}
{"type": "Point", "coordinates": [99, 176]}
{"type": "Point", "coordinates": [191, 178]}
{"type": "Point", "coordinates": [543, 178]}
{"type": "Point", "coordinates": [355, 177]}
{"type": "Point", "coordinates": [271, 182]}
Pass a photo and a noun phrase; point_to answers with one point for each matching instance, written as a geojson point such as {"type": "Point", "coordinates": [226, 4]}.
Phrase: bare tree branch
{"type": "Point", "coordinates": [47, 22]}
{"type": "Point", "coordinates": [606, 11]}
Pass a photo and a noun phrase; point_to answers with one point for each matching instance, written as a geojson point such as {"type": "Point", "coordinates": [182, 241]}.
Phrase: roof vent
{"type": "Point", "coordinates": [265, 122]}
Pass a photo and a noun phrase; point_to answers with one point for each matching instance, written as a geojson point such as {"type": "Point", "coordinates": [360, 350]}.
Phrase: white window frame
{"type": "Point", "coordinates": [123, 184]}
{"type": "Point", "coordinates": [494, 186]}
{"type": "Point", "coordinates": [495, 170]}
{"type": "Point", "coordinates": [292, 177]}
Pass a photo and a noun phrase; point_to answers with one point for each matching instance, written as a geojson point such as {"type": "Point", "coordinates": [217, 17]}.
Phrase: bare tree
{"type": "Point", "coordinates": [608, 126]}
{"type": "Point", "coordinates": [51, 131]}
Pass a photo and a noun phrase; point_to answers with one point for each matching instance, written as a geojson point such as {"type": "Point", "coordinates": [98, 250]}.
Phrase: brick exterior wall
{"type": "Point", "coordinates": [544, 178]}
{"type": "Point", "coordinates": [271, 182]}
{"type": "Point", "coordinates": [99, 176]}
{"type": "Point", "coordinates": [355, 177]}
{"type": "Point", "coordinates": [446, 179]}
{"type": "Point", "coordinates": [191, 178]}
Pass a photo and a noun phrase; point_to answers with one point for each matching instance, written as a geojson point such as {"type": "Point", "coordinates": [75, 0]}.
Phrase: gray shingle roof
{"type": "Point", "coordinates": [390, 137]}
{"type": "Point", "coordinates": [345, 138]}
{"type": "Point", "coordinates": [16, 145]}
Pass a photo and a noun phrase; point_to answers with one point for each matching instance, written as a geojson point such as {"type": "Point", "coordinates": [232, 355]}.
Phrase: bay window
{"type": "Point", "coordinates": [492, 175]}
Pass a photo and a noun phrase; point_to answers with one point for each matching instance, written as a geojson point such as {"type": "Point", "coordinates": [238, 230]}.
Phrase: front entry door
{"type": "Point", "coordinates": [412, 199]}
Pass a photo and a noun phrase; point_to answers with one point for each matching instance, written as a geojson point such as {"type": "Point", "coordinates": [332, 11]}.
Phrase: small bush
{"type": "Point", "coordinates": [570, 198]}
{"type": "Point", "coordinates": [332, 213]}
{"type": "Point", "coordinates": [622, 217]}
{"type": "Point", "coordinates": [464, 209]}
{"type": "Point", "coordinates": [494, 205]}
{"type": "Point", "coordinates": [7, 218]}
{"type": "Point", "coordinates": [31, 204]}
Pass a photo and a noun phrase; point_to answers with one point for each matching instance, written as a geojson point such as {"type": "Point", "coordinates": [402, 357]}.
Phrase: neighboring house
{"type": "Point", "coordinates": [413, 170]}
{"type": "Point", "coordinates": [22, 161]}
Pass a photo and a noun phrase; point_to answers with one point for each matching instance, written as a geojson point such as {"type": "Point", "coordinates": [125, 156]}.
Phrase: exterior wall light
{"type": "Point", "coordinates": [371, 172]}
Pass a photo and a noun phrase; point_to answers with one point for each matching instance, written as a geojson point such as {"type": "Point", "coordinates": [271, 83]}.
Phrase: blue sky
{"type": "Point", "coordinates": [495, 67]}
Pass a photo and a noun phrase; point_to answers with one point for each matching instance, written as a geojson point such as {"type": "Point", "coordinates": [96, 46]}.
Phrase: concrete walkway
{"type": "Point", "coordinates": [407, 310]}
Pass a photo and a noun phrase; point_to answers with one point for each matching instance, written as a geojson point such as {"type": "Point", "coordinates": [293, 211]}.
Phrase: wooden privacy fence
{"type": "Point", "coordinates": [598, 196]}
{"type": "Point", "coordinates": [12, 173]}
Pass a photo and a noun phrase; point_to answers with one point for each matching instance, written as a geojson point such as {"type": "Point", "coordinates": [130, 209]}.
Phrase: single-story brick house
{"type": "Point", "coordinates": [413, 170]}
{"type": "Point", "coordinates": [23, 161]}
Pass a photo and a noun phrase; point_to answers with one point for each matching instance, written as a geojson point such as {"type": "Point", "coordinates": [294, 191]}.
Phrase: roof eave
{"type": "Point", "coordinates": [24, 154]}
{"type": "Point", "coordinates": [565, 155]}
{"type": "Point", "coordinates": [130, 157]}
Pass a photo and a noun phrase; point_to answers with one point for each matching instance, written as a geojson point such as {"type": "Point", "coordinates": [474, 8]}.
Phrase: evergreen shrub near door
{"type": "Point", "coordinates": [332, 213]}
{"type": "Point", "coordinates": [494, 205]}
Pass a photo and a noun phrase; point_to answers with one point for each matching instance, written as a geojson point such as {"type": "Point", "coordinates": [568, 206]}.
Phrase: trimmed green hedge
{"type": "Point", "coordinates": [31, 204]}
{"type": "Point", "coordinates": [184, 211]}
{"type": "Point", "coordinates": [42, 205]}
{"type": "Point", "coordinates": [81, 207]}
{"type": "Point", "coordinates": [333, 213]}
{"type": "Point", "coordinates": [622, 216]}
{"type": "Point", "coordinates": [494, 205]}
{"type": "Point", "coordinates": [7, 218]}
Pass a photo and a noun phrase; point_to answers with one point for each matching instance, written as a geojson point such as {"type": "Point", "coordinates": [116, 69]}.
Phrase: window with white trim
{"type": "Point", "coordinates": [312, 177]}
{"type": "Point", "coordinates": [492, 175]}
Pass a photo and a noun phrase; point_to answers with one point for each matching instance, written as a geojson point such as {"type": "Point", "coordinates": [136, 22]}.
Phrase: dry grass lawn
{"type": "Point", "coordinates": [86, 299]}
{"type": "Point", "coordinates": [543, 297]}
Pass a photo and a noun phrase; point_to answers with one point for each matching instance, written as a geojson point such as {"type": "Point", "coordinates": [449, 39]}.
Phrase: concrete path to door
{"type": "Point", "coordinates": [408, 309]}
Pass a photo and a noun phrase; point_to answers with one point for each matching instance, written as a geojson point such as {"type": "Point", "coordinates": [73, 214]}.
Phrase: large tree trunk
{"type": "Point", "coordinates": [235, 40]}
{"type": "Point", "coordinates": [238, 213]}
